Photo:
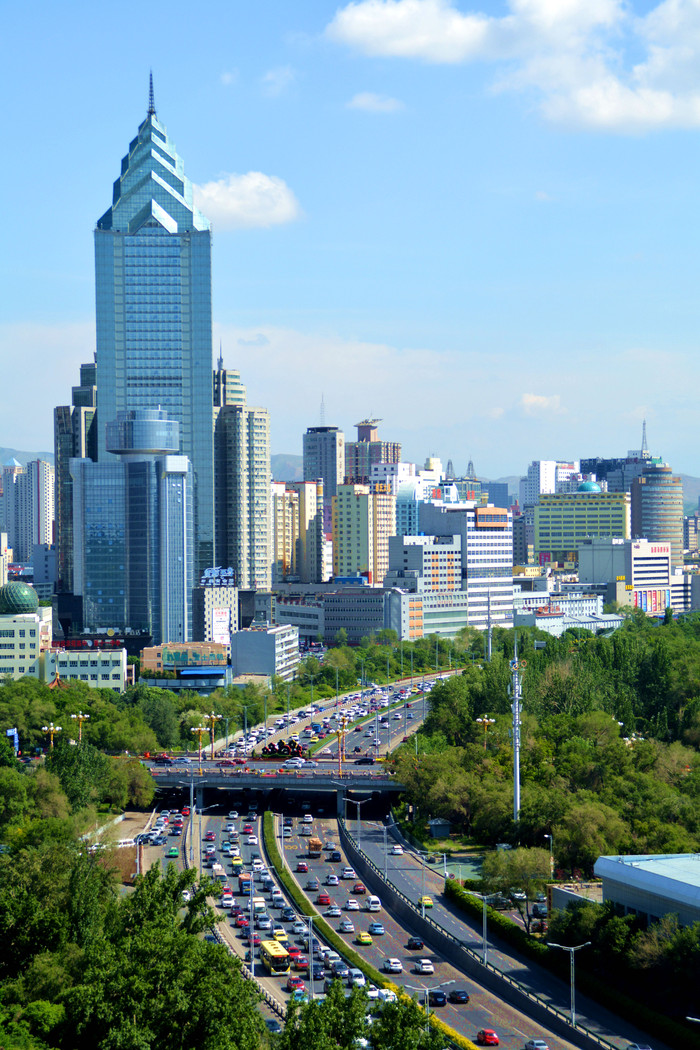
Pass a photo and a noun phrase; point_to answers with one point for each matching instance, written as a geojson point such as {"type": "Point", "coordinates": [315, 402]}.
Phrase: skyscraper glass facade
{"type": "Point", "coordinates": [153, 300]}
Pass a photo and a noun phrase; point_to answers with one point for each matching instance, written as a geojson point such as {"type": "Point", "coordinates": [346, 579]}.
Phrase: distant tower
{"type": "Point", "coordinates": [471, 473]}
{"type": "Point", "coordinates": [645, 450]}
{"type": "Point", "coordinates": [450, 472]}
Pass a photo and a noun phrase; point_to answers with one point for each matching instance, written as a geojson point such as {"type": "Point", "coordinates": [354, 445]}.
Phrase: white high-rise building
{"type": "Point", "coordinates": [27, 508]}
{"type": "Point", "coordinates": [543, 476]}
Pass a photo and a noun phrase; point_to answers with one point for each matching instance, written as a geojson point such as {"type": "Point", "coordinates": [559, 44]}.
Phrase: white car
{"type": "Point", "coordinates": [307, 819]}
{"type": "Point", "coordinates": [372, 992]}
{"type": "Point", "coordinates": [539, 1044]}
{"type": "Point", "coordinates": [397, 851]}
{"type": "Point", "coordinates": [393, 966]}
{"type": "Point", "coordinates": [233, 815]}
{"type": "Point", "coordinates": [348, 873]}
{"type": "Point", "coordinates": [356, 978]}
{"type": "Point", "coordinates": [385, 995]}
{"type": "Point", "coordinates": [300, 928]}
{"type": "Point", "coordinates": [294, 763]}
{"type": "Point", "coordinates": [252, 840]}
{"type": "Point", "coordinates": [352, 905]}
{"type": "Point", "coordinates": [424, 966]}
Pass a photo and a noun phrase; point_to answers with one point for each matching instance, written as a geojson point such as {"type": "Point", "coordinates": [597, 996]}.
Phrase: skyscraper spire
{"type": "Point", "coordinates": [322, 413]}
{"type": "Point", "coordinates": [221, 356]}
{"type": "Point", "coordinates": [151, 97]}
{"type": "Point", "coordinates": [644, 436]}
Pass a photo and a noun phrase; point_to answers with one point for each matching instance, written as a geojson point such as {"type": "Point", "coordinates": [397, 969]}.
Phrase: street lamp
{"type": "Point", "coordinates": [199, 730]}
{"type": "Point", "coordinates": [358, 803]}
{"type": "Point", "coordinates": [80, 717]}
{"type": "Point", "coordinates": [427, 990]}
{"type": "Point", "coordinates": [572, 953]}
{"type": "Point", "coordinates": [486, 724]}
{"type": "Point", "coordinates": [386, 849]}
{"type": "Point", "coordinates": [212, 719]}
{"type": "Point", "coordinates": [51, 729]}
{"type": "Point", "coordinates": [485, 944]}
{"type": "Point", "coordinates": [551, 855]}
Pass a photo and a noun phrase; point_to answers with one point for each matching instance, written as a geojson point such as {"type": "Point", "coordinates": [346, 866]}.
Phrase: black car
{"type": "Point", "coordinates": [288, 915]}
{"type": "Point", "coordinates": [319, 973]}
{"type": "Point", "coordinates": [335, 856]}
{"type": "Point", "coordinates": [458, 995]}
{"type": "Point", "coordinates": [436, 997]}
{"type": "Point", "coordinates": [273, 1025]}
{"type": "Point", "coordinates": [415, 944]}
{"type": "Point", "coordinates": [367, 760]}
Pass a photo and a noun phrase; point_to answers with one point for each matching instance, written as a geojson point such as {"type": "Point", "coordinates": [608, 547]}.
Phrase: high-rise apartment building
{"type": "Point", "coordinates": [363, 521]}
{"type": "Point", "coordinates": [297, 531]}
{"type": "Point", "coordinates": [543, 477]}
{"type": "Point", "coordinates": [153, 302]}
{"type": "Point", "coordinates": [243, 479]}
{"type": "Point", "coordinates": [75, 437]}
{"type": "Point", "coordinates": [368, 450]}
{"type": "Point", "coordinates": [27, 509]}
{"type": "Point", "coordinates": [324, 458]}
{"type": "Point", "coordinates": [657, 508]}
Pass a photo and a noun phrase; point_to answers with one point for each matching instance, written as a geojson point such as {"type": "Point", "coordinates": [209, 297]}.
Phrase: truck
{"type": "Point", "coordinates": [244, 883]}
{"type": "Point", "coordinates": [218, 873]}
{"type": "Point", "coordinates": [315, 847]}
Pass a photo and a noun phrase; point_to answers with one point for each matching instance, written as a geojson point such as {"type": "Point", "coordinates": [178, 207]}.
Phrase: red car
{"type": "Point", "coordinates": [300, 962]}
{"type": "Point", "coordinates": [293, 950]}
{"type": "Point", "coordinates": [247, 829]}
{"type": "Point", "coordinates": [487, 1037]}
{"type": "Point", "coordinates": [324, 898]}
{"type": "Point", "coordinates": [302, 866]}
{"type": "Point", "coordinates": [210, 836]}
{"type": "Point", "coordinates": [185, 811]}
{"type": "Point", "coordinates": [241, 921]}
{"type": "Point", "coordinates": [358, 889]}
{"type": "Point", "coordinates": [255, 939]}
{"type": "Point", "coordinates": [226, 762]}
{"type": "Point", "coordinates": [294, 982]}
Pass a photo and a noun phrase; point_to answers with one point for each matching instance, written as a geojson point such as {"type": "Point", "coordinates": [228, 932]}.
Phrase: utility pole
{"type": "Point", "coordinates": [516, 707]}
{"type": "Point", "coordinates": [490, 630]}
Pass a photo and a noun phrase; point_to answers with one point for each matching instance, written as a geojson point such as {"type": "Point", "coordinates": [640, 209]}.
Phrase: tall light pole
{"type": "Point", "coordinates": [80, 717]}
{"type": "Point", "coordinates": [199, 730]}
{"type": "Point", "coordinates": [357, 802]}
{"type": "Point", "coordinates": [517, 710]}
{"type": "Point", "coordinates": [212, 719]}
{"type": "Point", "coordinates": [572, 954]}
{"type": "Point", "coordinates": [485, 944]}
{"type": "Point", "coordinates": [427, 990]}
{"type": "Point", "coordinates": [386, 849]}
{"type": "Point", "coordinates": [486, 724]}
{"type": "Point", "coordinates": [51, 729]}
{"type": "Point", "coordinates": [551, 855]}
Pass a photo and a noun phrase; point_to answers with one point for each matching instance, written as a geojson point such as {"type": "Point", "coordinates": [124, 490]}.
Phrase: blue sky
{"type": "Point", "coordinates": [474, 221]}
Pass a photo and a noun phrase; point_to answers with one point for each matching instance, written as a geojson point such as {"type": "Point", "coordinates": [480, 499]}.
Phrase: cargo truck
{"type": "Point", "coordinates": [315, 847]}
{"type": "Point", "coordinates": [244, 883]}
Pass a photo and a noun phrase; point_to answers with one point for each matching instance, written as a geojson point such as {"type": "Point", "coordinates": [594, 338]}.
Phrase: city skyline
{"type": "Point", "coordinates": [415, 222]}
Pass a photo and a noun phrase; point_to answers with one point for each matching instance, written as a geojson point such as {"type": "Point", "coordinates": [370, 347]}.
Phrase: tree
{"type": "Point", "coordinates": [512, 872]}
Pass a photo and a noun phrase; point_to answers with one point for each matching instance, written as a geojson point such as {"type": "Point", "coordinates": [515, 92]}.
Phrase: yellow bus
{"type": "Point", "coordinates": [274, 956]}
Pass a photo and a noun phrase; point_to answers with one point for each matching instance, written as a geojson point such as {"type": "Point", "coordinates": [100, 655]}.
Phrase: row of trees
{"type": "Point", "coordinates": [609, 756]}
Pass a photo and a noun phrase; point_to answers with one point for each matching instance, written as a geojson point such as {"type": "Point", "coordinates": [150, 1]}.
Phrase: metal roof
{"type": "Point", "coordinates": [675, 876]}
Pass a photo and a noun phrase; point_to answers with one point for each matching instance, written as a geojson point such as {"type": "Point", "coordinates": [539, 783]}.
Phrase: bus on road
{"type": "Point", "coordinates": [274, 957]}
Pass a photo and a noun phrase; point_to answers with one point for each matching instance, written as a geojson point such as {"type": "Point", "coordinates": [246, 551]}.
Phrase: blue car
{"type": "Point", "coordinates": [375, 928]}
{"type": "Point", "coordinates": [299, 996]}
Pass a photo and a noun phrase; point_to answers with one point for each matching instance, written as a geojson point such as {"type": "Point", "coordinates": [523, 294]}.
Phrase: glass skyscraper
{"type": "Point", "coordinates": [153, 299]}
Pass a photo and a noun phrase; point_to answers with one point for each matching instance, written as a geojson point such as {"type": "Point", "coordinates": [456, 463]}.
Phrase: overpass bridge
{"type": "Point", "coordinates": [269, 785]}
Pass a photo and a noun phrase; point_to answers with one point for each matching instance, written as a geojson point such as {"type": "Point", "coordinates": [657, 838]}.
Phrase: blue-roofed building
{"type": "Point", "coordinates": [653, 885]}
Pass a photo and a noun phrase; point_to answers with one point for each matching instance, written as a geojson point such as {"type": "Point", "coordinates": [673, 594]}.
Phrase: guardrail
{"type": "Point", "coordinates": [467, 958]}
{"type": "Point", "coordinates": [273, 1003]}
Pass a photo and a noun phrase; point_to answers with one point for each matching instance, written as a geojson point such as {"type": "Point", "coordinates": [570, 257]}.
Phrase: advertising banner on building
{"type": "Point", "coordinates": [221, 626]}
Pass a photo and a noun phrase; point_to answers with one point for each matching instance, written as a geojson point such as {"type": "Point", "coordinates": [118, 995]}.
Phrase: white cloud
{"type": "Point", "coordinates": [229, 77]}
{"type": "Point", "coordinates": [246, 201]}
{"type": "Point", "coordinates": [278, 81]}
{"type": "Point", "coordinates": [580, 57]}
{"type": "Point", "coordinates": [374, 103]}
{"type": "Point", "coordinates": [540, 404]}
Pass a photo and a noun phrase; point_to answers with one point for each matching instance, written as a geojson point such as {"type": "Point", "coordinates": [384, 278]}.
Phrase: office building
{"type": "Point", "coordinates": [324, 458]}
{"type": "Point", "coordinates": [363, 522]}
{"type": "Point", "coordinates": [563, 520]}
{"type": "Point", "coordinates": [368, 450]}
{"type": "Point", "coordinates": [215, 606]}
{"type": "Point", "coordinates": [98, 668]}
{"type": "Point", "coordinates": [153, 308]}
{"type": "Point", "coordinates": [434, 561]}
{"type": "Point", "coordinates": [543, 476]}
{"type": "Point", "coordinates": [243, 480]}
{"type": "Point", "coordinates": [657, 508]}
{"type": "Point", "coordinates": [133, 528]}
{"type": "Point", "coordinates": [635, 573]}
{"type": "Point", "coordinates": [25, 631]}
{"type": "Point", "coordinates": [649, 887]}
{"type": "Point", "coordinates": [266, 650]}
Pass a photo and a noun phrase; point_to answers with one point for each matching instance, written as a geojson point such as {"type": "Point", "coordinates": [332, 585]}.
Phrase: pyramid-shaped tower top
{"type": "Point", "coordinates": [152, 189]}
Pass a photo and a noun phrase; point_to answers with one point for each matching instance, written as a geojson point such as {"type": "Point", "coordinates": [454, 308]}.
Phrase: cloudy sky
{"type": "Point", "coordinates": [477, 222]}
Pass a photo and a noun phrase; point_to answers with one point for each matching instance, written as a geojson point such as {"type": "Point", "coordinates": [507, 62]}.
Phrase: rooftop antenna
{"type": "Point", "coordinates": [644, 436]}
{"type": "Point", "coordinates": [322, 413]}
{"type": "Point", "coordinates": [151, 97]}
{"type": "Point", "coordinates": [221, 356]}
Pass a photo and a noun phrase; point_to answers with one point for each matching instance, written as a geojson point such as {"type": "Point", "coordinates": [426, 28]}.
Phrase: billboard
{"type": "Point", "coordinates": [221, 626]}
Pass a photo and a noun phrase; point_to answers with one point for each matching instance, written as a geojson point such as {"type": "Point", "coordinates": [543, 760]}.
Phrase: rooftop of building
{"type": "Point", "coordinates": [674, 875]}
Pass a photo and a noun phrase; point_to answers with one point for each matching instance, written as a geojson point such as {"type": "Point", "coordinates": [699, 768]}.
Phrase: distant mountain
{"type": "Point", "coordinates": [23, 457]}
{"type": "Point", "coordinates": [287, 468]}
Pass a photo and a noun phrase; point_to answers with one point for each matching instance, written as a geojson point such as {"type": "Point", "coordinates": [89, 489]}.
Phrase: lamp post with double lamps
{"type": "Point", "coordinates": [572, 954]}
{"type": "Point", "coordinates": [51, 729]}
{"type": "Point", "coordinates": [199, 730]}
{"type": "Point", "coordinates": [426, 991]}
{"type": "Point", "coordinates": [486, 724]}
{"type": "Point", "coordinates": [357, 803]}
{"type": "Point", "coordinates": [80, 718]}
{"type": "Point", "coordinates": [211, 720]}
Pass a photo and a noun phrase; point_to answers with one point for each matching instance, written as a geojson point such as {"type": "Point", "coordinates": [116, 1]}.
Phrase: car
{"type": "Point", "coordinates": [312, 884]}
{"type": "Point", "coordinates": [359, 888]}
{"type": "Point", "coordinates": [299, 927]}
{"type": "Point", "coordinates": [537, 1044]}
{"type": "Point", "coordinates": [293, 763]}
{"type": "Point", "coordinates": [233, 815]}
{"type": "Point", "coordinates": [186, 896]}
{"type": "Point", "coordinates": [335, 857]}
{"type": "Point", "coordinates": [318, 973]}
{"type": "Point", "coordinates": [458, 995]}
{"type": "Point", "coordinates": [414, 944]}
{"type": "Point", "coordinates": [397, 851]}
{"type": "Point", "coordinates": [302, 867]}
{"type": "Point", "coordinates": [393, 966]}
{"type": "Point", "coordinates": [423, 966]}
{"type": "Point", "coordinates": [323, 898]}
{"type": "Point", "coordinates": [363, 938]}
{"type": "Point", "coordinates": [286, 833]}
{"type": "Point", "coordinates": [293, 981]}
{"type": "Point", "coordinates": [486, 1037]}
{"type": "Point", "coordinates": [307, 819]}
{"type": "Point", "coordinates": [332, 880]}
{"type": "Point", "coordinates": [517, 895]}
{"type": "Point", "coordinates": [436, 997]}
{"type": "Point", "coordinates": [237, 862]}
{"type": "Point", "coordinates": [341, 970]}
{"type": "Point", "coordinates": [173, 852]}
{"type": "Point", "coordinates": [263, 922]}
{"type": "Point", "coordinates": [300, 962]}
{"type": "Point", "coordinates": [252, 840]}
{"type": "Point", "coordinates": [273, 1025]}
{"type": "Point", "coordinates": [252, 938]}
{"type": "Point", "coordinates": [376, 929]}
{"type": "Point", "coordinates": [386, 995]}
{"type": "Point", "coordinates": [288, 915]}
{"type": "Point", "coordinates": [348, 873]}
{"type": "Point", "coordinates": [210, 836]}
{"type": "Point", "coordinates": [425, 901]}
{"type": "Point", "coordinates": [539, 911]}
{"type": "Point", "coordinates": [352, 905]}
{"type": "Point", "coordinates": [247, 829]}
{"type": "Point", "coordinates": [293, 950]}
{"type": "Point", "coordinates": [333, 912]}
{"type": "Point", "coordinates": [280, 934]}
{"type": "Point", "coordinates": [356, 978]}
{"type": "Point", "coordinates": [241, 921]}
{"type": "Point", "coordinates": [346, 926]}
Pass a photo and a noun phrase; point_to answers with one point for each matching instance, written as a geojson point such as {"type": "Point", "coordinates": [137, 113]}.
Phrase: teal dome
{"type": "Point", "coordinates": [589, 486]}
{"type": "Point", "coordinates": [17, 598]}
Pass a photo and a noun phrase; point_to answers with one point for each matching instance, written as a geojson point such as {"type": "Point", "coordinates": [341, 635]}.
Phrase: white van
{"type": "Point", "coordinates": [374, 904]}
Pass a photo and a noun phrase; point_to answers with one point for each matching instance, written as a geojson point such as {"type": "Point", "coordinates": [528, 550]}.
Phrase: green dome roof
{"type": "Point", "coordinates": [17, 598]}
{"type": "Point", "coordinates": [589, 486]}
